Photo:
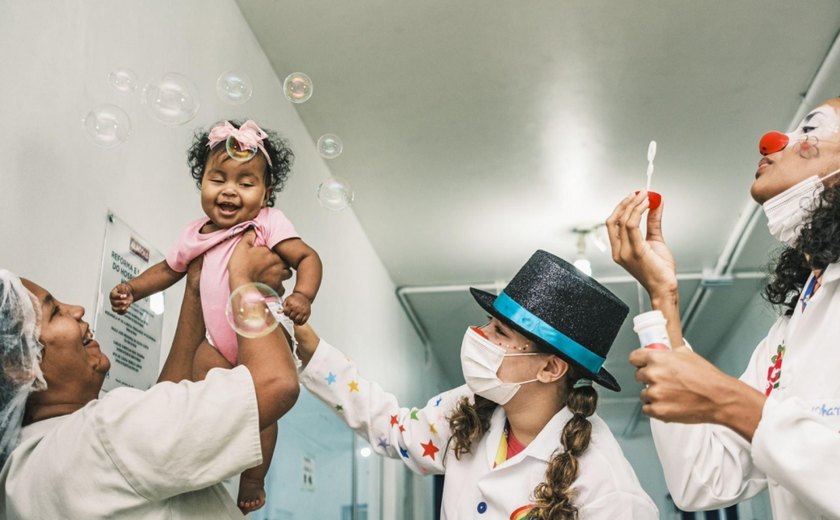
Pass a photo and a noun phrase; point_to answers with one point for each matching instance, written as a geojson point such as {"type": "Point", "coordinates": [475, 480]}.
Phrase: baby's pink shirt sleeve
{"type": "Point", "coordinates": [185, 249]}
{"type": "Point", "coordinates": [278, 227]}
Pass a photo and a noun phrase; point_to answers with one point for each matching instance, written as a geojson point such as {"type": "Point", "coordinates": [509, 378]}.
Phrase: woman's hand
{"type": "Point", "coordinates": [647, 259]}
{"type": "Point", "coordinates": [307, 341]}
{"type": "Point", "coordinates": [249, 263]}
{"type": "Point", "coordinates": [681, 386]}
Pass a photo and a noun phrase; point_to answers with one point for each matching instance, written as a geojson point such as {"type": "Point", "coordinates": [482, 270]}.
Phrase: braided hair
{"type": "Point", "coordinates": [554, 495]}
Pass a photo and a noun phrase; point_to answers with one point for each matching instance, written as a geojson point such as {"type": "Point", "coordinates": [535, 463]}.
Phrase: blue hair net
{"type": "Point", "coordinates": [20, 357]}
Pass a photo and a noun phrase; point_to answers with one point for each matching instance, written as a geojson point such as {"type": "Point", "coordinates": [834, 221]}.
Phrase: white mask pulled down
{"type": "Point", "coordinates": [788, 211]}
{"type": "Point", "coordinates": [480, 362]}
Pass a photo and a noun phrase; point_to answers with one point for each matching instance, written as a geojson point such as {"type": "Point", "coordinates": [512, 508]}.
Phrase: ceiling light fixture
{"type": "Point", "coordinates": [582, 263]}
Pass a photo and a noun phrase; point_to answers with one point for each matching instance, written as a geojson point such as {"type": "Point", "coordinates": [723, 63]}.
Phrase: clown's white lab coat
{"type": "Point", "coordinates": [158, 454]}
{"type": "Point", "coordinates": [796, 449]}
{"type": "Point", "coordinates": [607, 487]}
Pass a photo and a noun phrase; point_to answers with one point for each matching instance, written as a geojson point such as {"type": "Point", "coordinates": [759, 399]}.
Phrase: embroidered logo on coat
{"type": "Point", "coordinates": [774, 371]}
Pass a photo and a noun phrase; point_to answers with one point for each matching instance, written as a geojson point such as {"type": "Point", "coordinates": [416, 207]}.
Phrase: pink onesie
{"type": "Point", "coordinates": [272, 227]}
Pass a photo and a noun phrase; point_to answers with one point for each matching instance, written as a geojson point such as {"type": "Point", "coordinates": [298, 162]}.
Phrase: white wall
{"type": "Point", "coordinates": [55, 184]}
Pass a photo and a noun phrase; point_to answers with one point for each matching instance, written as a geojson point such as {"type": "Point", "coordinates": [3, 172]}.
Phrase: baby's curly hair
{"type": "Point", "coordinates": [276, 173]}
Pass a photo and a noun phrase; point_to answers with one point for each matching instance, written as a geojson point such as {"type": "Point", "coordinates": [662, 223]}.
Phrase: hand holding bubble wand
{"type": "Point", "coordinates": [651, 326]}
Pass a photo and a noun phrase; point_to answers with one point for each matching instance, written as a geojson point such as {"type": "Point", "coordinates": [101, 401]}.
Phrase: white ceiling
{"type": "Point", "coordinates": [476, 132]}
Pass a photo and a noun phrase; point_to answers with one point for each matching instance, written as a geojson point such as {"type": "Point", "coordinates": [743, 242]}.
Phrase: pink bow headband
{"type": "Point", "coordinates": [249, 136]}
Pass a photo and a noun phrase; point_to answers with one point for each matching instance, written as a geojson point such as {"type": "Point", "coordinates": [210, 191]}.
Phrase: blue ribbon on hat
{"type": "Point", "coordinates": [536, 326]}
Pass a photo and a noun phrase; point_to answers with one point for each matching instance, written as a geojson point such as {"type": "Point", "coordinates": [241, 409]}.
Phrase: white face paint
{"type": "Point", "coordinates": [822, 123]}
{"type": "Point", "coordinates": [789, 211]}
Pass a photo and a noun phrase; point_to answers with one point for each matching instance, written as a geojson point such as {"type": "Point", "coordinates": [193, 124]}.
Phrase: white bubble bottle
{"type": "Point", "coordinates": [650, 326]}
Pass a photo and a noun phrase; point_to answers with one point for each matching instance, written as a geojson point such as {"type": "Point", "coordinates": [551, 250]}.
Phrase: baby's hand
{"type": "Point", "coordinates": [297, 307]}
{"type": "Point", "coordinates": [122, 296]}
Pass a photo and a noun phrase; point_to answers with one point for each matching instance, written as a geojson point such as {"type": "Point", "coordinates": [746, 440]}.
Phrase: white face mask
{"type": "Point", "coordinates": [480, 361]}
{"type": "Point", "coordinates": [788, 211]}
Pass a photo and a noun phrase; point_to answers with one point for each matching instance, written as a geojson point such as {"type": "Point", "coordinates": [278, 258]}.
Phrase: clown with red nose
{"type": "Point", "coordinates": [789, 210]}
{"type": "Point", "coordinates": [723, 440]}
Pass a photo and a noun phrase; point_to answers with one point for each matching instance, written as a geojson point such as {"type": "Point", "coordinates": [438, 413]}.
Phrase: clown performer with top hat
{"type": "Point", "coordinates": [723, 440]}
{"type": "Point", "coordinates": [521, 439]}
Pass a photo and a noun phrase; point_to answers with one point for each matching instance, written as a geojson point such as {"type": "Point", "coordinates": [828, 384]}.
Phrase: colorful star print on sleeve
{"type": "Point", "coordinates": [417, 436]}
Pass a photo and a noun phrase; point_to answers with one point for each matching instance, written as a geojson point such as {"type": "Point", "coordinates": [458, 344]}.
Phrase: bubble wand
{"type": "Point", "coordinates": [650, 156]}
{"type": "Point", "coordinates": [654, 198]}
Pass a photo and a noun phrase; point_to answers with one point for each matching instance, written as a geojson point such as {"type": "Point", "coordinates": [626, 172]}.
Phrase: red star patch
{"type": "Point", "coordinates": [429, 449]}
{"type": "Point", "coordinates": [393, 420]}
{"type": "Point", "coordinates": [402, 428]}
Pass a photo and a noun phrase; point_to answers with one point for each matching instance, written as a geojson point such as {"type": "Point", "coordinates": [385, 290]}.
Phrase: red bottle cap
{"type": "Point", "coordinates": [654, 198]}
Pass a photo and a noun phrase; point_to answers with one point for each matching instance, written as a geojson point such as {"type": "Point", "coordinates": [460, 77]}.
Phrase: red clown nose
{"type": "Point", "coordinates": [772, 142]}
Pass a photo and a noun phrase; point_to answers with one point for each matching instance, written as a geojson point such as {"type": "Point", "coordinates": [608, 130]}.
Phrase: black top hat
{"type": "Point", "coordinates": [551, 302]}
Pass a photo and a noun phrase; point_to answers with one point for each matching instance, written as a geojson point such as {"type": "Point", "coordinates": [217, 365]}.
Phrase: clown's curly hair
{"type": "Point", "coordinates": [278, 150]}
{"type": "Point", "coordinates": [818, 246]}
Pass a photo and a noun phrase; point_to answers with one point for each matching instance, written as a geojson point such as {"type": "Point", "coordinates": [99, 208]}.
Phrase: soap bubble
{"type": "Point", "coordinates": [251, 309]}
{"type": "Point", "coordinates": [234, 87]}
{"type": "Point", "coordinates": [238, 152]}
{"type": "Point", "coordinates": [107, 125]}
{"type": "Point", "coordinates": [330, 146]}
{"type": "Point", "coordinates": [172, 99]}
{"type": "Point", "coordinates": [123, 80]}
{"type": "Point", "coordinates": [335, 194]}
{"type": "Point", "coordinates": [297, 87]}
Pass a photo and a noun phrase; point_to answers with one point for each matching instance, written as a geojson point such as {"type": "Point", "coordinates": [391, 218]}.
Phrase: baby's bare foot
{"type": "Point", "coordinates": [251, 494]}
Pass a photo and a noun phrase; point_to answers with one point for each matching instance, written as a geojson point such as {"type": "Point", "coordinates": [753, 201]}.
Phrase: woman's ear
{"type": "Point", "coordinates": [553, 369]}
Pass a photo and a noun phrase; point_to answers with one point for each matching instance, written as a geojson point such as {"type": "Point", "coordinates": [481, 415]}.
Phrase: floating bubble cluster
{"type": "Point", "coordinates": [335, 194]}
{"type": "Point", "coordinates": [123, 80]}
{"type": "Point", "coordinates": [330, 146]}
{"type": "Point", "coordinates": [234, 87]}
{"type": "Point", "coordinates": [297, 87]}
{"type": "Point", "coordinates": [251, 310]}
{"type": "Point", "coordinates": [172, 99]}
{"type": "Point", "coordinates": [107, 125]}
